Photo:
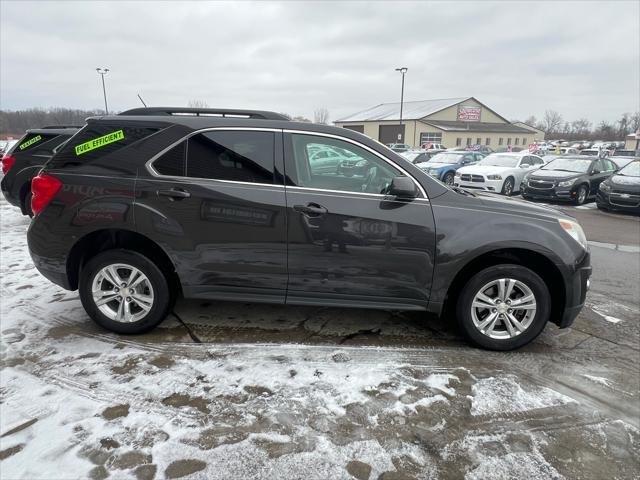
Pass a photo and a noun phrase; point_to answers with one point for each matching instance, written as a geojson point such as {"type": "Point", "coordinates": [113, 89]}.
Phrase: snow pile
{"type": "Point", "coordinates": [504, 395]}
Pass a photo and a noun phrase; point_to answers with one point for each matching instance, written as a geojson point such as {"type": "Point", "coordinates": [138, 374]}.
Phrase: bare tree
{"type": "Point", "coordinates": [581, 127]}
{"type": "Point", "coordinates": [300, 118]}
{"type": "Point", "coordinates": [197, 104]}
{"type": "Point", "coordinates": [321, 115]}
{"type": "Point", "coordinates": [634, 122]}
{"type": "Point", "coordinates": [531, 121]}
{"type": "Point", "coordinates": [551, 122]}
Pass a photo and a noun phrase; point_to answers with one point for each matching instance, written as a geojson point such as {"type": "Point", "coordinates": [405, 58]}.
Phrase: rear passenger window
{"type": "Point", "coordinates": [241, 156]}
{"type": "Point", "coordinates": [98, 140]}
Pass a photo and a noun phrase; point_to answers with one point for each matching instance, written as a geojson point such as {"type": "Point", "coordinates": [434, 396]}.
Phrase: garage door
{"type": "Point", "coordinates": [389, 134]}
{"type": "Point", "coordinates": [355, 128]}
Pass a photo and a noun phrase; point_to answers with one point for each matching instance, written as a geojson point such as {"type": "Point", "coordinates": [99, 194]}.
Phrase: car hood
{"type": "Point", "coordinates": [518, 206]}
{"type": "Point", "coordinates": [553, 175]}
{"type": "Point", "coordinates": [624, 181]}
{"type": "Point", "coordinates": [485, 169]}
{"type": "Point", "coordinates": [435, 166]}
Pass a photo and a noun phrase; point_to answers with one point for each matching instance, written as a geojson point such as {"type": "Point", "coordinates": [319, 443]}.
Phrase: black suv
{"type": "Point", "coordinates": [25, 159]}
{"type": "Point", "coordinates": [227, 205]}
{"type": "Point", "coordinates": [568, 178]}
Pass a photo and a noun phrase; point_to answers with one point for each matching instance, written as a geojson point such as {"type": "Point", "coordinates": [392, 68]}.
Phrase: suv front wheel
{"type": "Point", "coordinates": [124, 291]}
{"type": "Point", "coordinates": [503, 307]}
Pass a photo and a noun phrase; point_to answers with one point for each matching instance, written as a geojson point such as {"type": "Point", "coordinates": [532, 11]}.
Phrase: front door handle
{"type": "Point", "coordinates": [174, 193]}
{"type": "Point", "coordinates": [311, 209]}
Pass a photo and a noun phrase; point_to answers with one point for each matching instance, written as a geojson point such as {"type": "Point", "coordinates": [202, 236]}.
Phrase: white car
{"type": "Point", "coordinates": [499, 172]}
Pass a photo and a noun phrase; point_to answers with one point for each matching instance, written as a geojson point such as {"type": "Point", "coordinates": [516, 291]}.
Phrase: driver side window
{"type": "Point", "coordinates": [355, 169]}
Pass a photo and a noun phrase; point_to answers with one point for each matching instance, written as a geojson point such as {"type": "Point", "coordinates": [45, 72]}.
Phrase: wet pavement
{"type": "Point", "coordinates": [230, 390]}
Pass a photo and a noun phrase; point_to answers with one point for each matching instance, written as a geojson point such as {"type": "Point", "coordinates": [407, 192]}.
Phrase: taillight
{"type": "Point", "coordinates": [43, 189]}
{"type": "Point", "coordinates": [7, 163]}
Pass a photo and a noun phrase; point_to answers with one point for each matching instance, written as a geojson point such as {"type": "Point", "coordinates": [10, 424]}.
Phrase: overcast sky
{"type": "Point", "coordinates": [520, 58]}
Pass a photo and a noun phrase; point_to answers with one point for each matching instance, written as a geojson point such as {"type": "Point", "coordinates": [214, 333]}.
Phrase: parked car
{"type": "Point", "coordinates": [324, 160]}
{"type": "Point", "coordinates": [573, 179]}
{"type": "Point", "coordinates": [444, 165]}
{"type": "Point", "coordinates": [419, 156]}
{"type": "Point", "coordinates": [621, 191]}
{"type": "Point", "coordinates": [510, 150]}
{"type": "Point", "coordinates": [499, 172]}
{"type": "Point", "coordinates": [25, 158]}
{"type": "Point", "coordinates": [593, 152]}
{"type": "Point", "coordinates": [626, 153]}
{"type": "Point", "coordinates": [139, 207]}
{"type": "Point", "coordinates": [399, 147]}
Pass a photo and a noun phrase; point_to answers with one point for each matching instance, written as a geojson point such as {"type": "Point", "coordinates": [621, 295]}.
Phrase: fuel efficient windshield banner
{"type": "Point", "coordinates": [99, 142]}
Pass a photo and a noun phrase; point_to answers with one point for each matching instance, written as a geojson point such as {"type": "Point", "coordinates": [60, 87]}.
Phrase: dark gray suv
{"type": "Point", "coordinates": [153, 203]}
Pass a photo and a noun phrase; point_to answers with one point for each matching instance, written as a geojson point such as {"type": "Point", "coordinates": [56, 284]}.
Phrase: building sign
{"type": "Point", "coordinates": [468, 113]}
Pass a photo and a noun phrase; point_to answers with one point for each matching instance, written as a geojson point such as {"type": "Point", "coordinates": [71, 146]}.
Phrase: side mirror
{"type": "Point", "coordinates": [595, 171]}
{"type": "Point", "coordinates": [403, 187]}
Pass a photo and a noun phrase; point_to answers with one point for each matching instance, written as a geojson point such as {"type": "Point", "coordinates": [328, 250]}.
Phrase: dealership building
{"type": "Point", "coordinates": [454, 122]}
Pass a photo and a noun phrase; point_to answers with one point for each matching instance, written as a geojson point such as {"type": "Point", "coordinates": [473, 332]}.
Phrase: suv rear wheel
{"type": "Point", "coordinates": [124, 291]}
{"type": "Point", "coordinates": [503, 307]}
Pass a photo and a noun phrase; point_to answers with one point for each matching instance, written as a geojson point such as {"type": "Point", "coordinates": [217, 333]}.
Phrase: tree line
{"type": "Point", "coordinates": [14, 123]}
{"type": "Point", "coordinates": [556, 127]}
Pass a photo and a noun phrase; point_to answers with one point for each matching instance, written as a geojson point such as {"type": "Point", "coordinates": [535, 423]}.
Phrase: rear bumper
{"type": "Point", "coordinates": [6, 191]}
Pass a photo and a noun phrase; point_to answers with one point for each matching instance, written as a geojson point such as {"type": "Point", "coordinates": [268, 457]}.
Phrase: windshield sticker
{"type": "Point", "coordinates": [99, 142]}
{"type": "Point", "coordinates": [28, 143]}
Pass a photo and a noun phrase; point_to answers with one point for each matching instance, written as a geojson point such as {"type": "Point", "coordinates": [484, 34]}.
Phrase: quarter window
{"type": "Point", "coordinates": [242, 156]}
{"type": "Point", "coordinates": [172, 162]}
{"type": "Point", "coordinates": [357, 169]}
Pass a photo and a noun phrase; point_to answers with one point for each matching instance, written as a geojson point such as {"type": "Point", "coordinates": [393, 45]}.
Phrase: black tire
{"type": "Point", "coordinates": [582, 189]}
{"type": "Point", "coordinates": [163, 298]}
{"type": "Point", "coordinates": [448, 178]}
{"type": "Point", "coordinates": [516, 272]}
{"type": "Point", "coordinates": [508, 186]}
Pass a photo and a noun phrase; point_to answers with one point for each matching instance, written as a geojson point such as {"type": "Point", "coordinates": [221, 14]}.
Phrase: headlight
{"type": "Point", "coordinates": [566, 183]}
{"type": "Point", "coordinates": [605, 187]}
{"type": "Point", "coordinates": [361, 163]}
{"type": "Point", "coordinates": [494, 177]}
{"type": "Point", "coordinates": [574, 230]}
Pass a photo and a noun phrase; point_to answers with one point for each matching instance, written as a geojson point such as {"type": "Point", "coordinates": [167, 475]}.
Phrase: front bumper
{"type": "Point", "coordinates": [576, 287]}
{"type": "Point", "coordinates": [486, 185]}
{"type": "Point", "coordinates": [566, 194]}
{"type": "Point", "coordinates": [620, 202]}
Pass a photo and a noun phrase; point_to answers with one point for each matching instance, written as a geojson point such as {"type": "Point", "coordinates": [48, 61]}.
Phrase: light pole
{"type": "Point", "coordinates": [102, 72]}
{"type": "Point", "coordinates": [402, 70]}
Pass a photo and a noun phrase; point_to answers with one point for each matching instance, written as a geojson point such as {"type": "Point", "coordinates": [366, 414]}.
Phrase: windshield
{"type": "Point", "coordinates": [631, 170]}
{"type": "Point", "coordinates": [446, 158]}
{"type": "Point", "coordinates": [576, 165]}
{"type": "Point", "coordinates": [500, 160]}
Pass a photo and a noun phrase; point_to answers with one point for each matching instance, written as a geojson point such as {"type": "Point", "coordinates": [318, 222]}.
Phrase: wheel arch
{"type": "Point", "coordinates": [98, 241]}
{"type": "Point", "coordinates": [535, 261]}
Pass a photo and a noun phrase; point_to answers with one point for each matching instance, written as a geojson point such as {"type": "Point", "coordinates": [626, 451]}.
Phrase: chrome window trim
{"type": "Point", "coordinates": [370, 150]}
{"type": "Point", "coordinates": [149, 164]}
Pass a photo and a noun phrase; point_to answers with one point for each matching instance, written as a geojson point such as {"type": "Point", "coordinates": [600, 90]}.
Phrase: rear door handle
{"type": "Point", "coordinates": [311, 209]}
{"type": "Point", "coordinates": [174, 193]}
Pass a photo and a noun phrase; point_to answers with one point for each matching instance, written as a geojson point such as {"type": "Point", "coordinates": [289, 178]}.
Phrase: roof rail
{"type": "Point", "coordinates": [58, 126]}
{"type": "Point", "coordinates": [220, 112]}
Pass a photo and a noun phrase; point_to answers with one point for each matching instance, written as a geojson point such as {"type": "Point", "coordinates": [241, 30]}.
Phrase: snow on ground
{"type": "Point", "coordinates": [77, 402]}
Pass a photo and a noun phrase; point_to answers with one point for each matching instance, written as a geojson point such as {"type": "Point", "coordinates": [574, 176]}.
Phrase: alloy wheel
{"type": "Point", "coordinates": [503, 308]}
{"type": "Point", "coordinates": [582, 195]}
{"type": "Point", "coordinates": [122, 293]}
{"type": "Point", "coordinates": [508, 187]}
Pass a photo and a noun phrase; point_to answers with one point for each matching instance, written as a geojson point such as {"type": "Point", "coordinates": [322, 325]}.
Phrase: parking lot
{"type": "Point", "coordinates": [234, 390]}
